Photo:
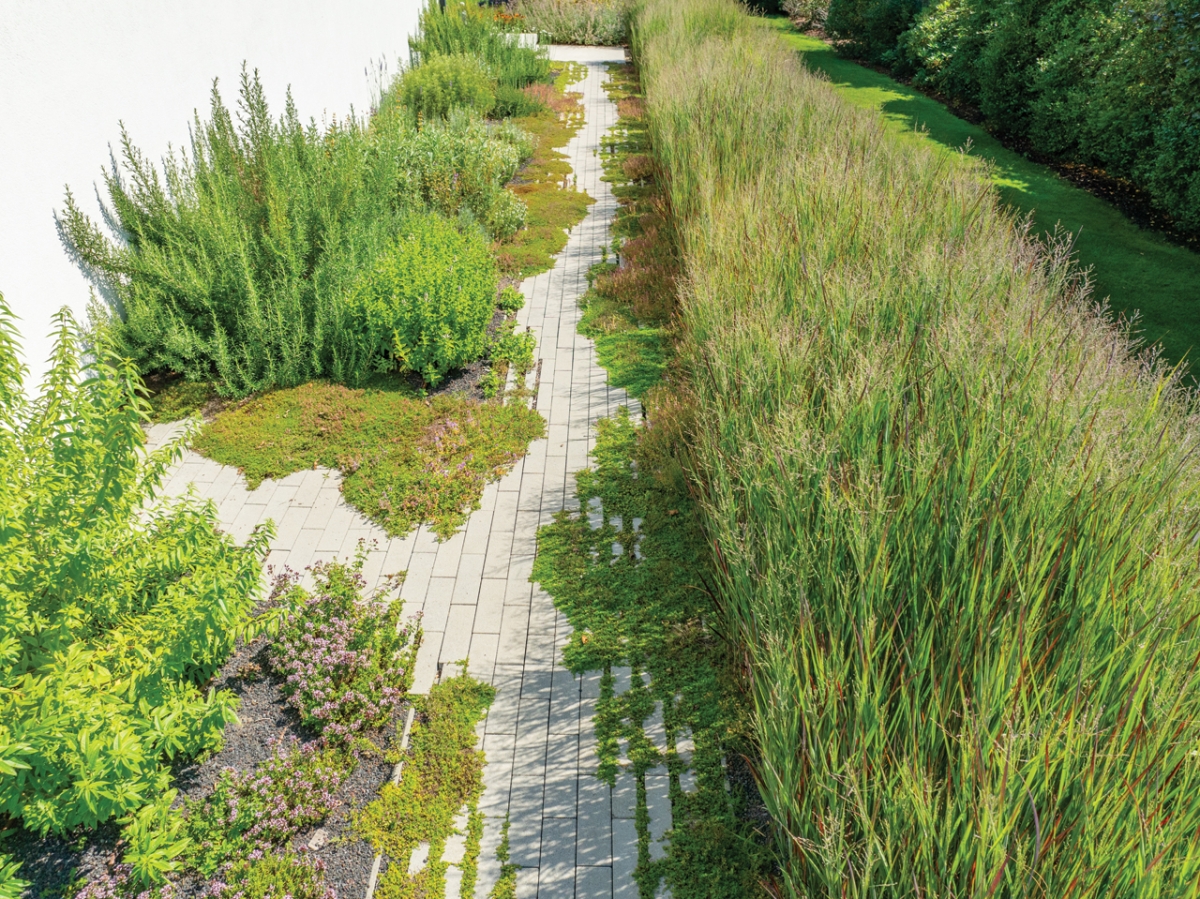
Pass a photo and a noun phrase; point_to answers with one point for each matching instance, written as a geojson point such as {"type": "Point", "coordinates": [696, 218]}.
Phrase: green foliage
{"type": "Point", "coordinates": [952, 517]}
{"type": "Point", "coordinates": [515, 349]}
{"type": "Point", "coordinates": [345, 659]}
{"type": "Point", "coordinates": [650, 614]}
{"type": "Point", "coordinates": [443, 83]}
{"type": "Point", "coordinates": [512, 101]}
{"type": "Point", "coordinates": [511, 300]}
{"type": "Point", "coordinates": [1106, 84]}
{"type": "Point", "coordinates": [1122, 259]}
{"type": "Point", "coordinates": [460, 166]}
{"type": "Point", "coordinates": [155, 839]}
{"type": "Point", "coordinates": [278, 875]}
{"type": "Point", "coordinates": [586, 22]}
{"type": "Point", "coordinates": [11, 886]}
{"type": "Point", "coordinates": [426, 303]}
{"type": "Point", "coordinates": [467, 29]}
{"type": "Point", "coordinates": [404, 460]}
{"type": "Point", "coordinates": [250, 813]}
{"type": "Point", "coordinates": [114, 610]}
{"type": "Point", "coordinates": [442, 774]}
{"type": "Point", "coordinates": [870, 28]}
{"type": "Point", "coordinates": [232, 266]}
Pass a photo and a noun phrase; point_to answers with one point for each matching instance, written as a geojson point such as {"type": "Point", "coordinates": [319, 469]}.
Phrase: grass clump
{"type": "Point", "coordinates": [442, 774]}
{"type": "Point", "coordinates": [952, 516]}
{"type": "Point", "coordinates": [404, 459]}
{"type": "Point", "coordinates": [585, 22]}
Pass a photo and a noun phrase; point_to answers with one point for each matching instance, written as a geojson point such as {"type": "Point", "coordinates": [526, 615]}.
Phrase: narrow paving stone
{"type": "Point", "coordinates": [473, 590]}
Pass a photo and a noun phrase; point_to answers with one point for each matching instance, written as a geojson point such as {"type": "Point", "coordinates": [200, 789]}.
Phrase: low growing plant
{"type": "Point", "coordinates": [346, 661]}
{"type": "Point", "coordinates": [251, 814]}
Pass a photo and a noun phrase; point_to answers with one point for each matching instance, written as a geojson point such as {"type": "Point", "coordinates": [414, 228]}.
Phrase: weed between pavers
{"type": "Point", "coordinates": [442, 773]}
{"type": "Point", "coordinates": [650, 609]}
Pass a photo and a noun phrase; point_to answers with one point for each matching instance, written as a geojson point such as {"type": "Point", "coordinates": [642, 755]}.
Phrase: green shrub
{"type": "Point", "coordinates": [443, 83]}
{"type": "Point", "coordinates": [586, 22]}
{"type": "Point", "coordinates": [511, 299]}
{"type": "Point", "coordinates": [112, 619]}
{"type": "Point", "coordinates": [953, 515]}
{"type": "Point", "coordinates": [465, 28]}
{"type": "Point", "coordinates": [1111, 85]}
{"type": "Point", "coordinates": [426, 304]}
{"type": "Point", "coordinates": [231, 267]}
{"type": "Point", "coordinates": [512, 102]}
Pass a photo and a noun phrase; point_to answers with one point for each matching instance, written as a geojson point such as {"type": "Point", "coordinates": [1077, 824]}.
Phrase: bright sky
{"type": "Point", "coordinates": [70, 70]}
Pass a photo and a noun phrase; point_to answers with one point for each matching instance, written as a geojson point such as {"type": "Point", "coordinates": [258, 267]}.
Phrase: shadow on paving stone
{"type": "Point", "coordinates": [51, 864]}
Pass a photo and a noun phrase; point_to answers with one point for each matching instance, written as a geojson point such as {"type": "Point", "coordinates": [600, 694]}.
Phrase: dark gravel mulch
{"type": "Point", "coordinates": [52, 864]}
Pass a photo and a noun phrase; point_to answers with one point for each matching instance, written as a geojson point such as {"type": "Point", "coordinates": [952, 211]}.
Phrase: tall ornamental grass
{"type": "Point", "coordinates": [955, 519]}
{"type": "Point", "coordinates": [586, 22]}
{"type": "Point", "coordinates": [232, 264]}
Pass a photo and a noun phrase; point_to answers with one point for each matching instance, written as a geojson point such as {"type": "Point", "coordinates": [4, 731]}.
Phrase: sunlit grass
{"type": "Point", "coordinates": [953, 519]}
{"type": "Point", "coordinates": [1140, 272]}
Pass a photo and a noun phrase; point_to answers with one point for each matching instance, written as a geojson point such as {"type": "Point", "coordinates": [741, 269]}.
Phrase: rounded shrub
{"type": "Point", "coordinates": [443, 83]}
{"type": "Point", "coordinates": [426, 304]}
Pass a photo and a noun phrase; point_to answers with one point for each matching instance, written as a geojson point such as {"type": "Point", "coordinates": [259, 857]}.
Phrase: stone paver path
{"type": "Point", "coordinates": [473, 590]}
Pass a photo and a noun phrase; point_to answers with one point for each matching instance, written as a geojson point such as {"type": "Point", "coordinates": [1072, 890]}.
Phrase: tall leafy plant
{"type": "Point", "coordinates": [114, 608]}
{"type": "Point", "coordinates": [464, 28]}
{"type": "Point", "coordinates": [231, 265]}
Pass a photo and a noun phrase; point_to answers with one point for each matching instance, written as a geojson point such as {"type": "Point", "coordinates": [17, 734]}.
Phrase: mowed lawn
{"type": "Point", "coordinates": [1137, 270]}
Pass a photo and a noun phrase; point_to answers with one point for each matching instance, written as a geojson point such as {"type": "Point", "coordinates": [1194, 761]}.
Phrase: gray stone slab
{"type": "Point", "coordinates": [593, 883]}
{"type": "Point", "coordinates": [556, 877]}
{"type": "Point", "coordinates": [594, 842]}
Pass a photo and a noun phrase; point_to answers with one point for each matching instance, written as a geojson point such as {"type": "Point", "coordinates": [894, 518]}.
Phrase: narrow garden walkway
{"type": "Point", "coordinates": [473, 590]}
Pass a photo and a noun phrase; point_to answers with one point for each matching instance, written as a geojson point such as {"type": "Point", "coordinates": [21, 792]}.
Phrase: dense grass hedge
{"type": "Point", "coordinates": [1112, 84]}
{"type": "Point", "coordinates": [954, 519]}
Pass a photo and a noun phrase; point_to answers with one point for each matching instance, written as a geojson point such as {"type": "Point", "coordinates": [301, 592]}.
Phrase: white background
{"type": "Point", "coordinates": [71, 70]}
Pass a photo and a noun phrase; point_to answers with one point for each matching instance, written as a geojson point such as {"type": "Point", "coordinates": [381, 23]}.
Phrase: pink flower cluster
{"type": "Point", "coordinates": [267, 807]}
{"type": "Point", "coordinates": [332, 675]}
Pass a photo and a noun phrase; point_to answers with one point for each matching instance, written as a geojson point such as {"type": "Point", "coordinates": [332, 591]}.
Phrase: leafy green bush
{"type": "Point", "coordinates": [232, 266]}
{"type": "Point", "coordinates": [512, 102]}
{"type": "Point", "coordinates": [444, 83]}
{"type": "Point", "coordinates": [111, 617]}
{"type": "Point", "coordinates": [426, 304]}
{"type": "Point", "coordinates": [463, 164]}
{"type": "Point", "coordinates": [1111, 85]}
{"type": "Point", "coordinates": [511, 299]}
{"type": "Point", "coordinates": [11, 886]}
{"type": "Point", "coordinates": [586, 22]}
{"type": "Point", "coordinates": [465, 28]}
